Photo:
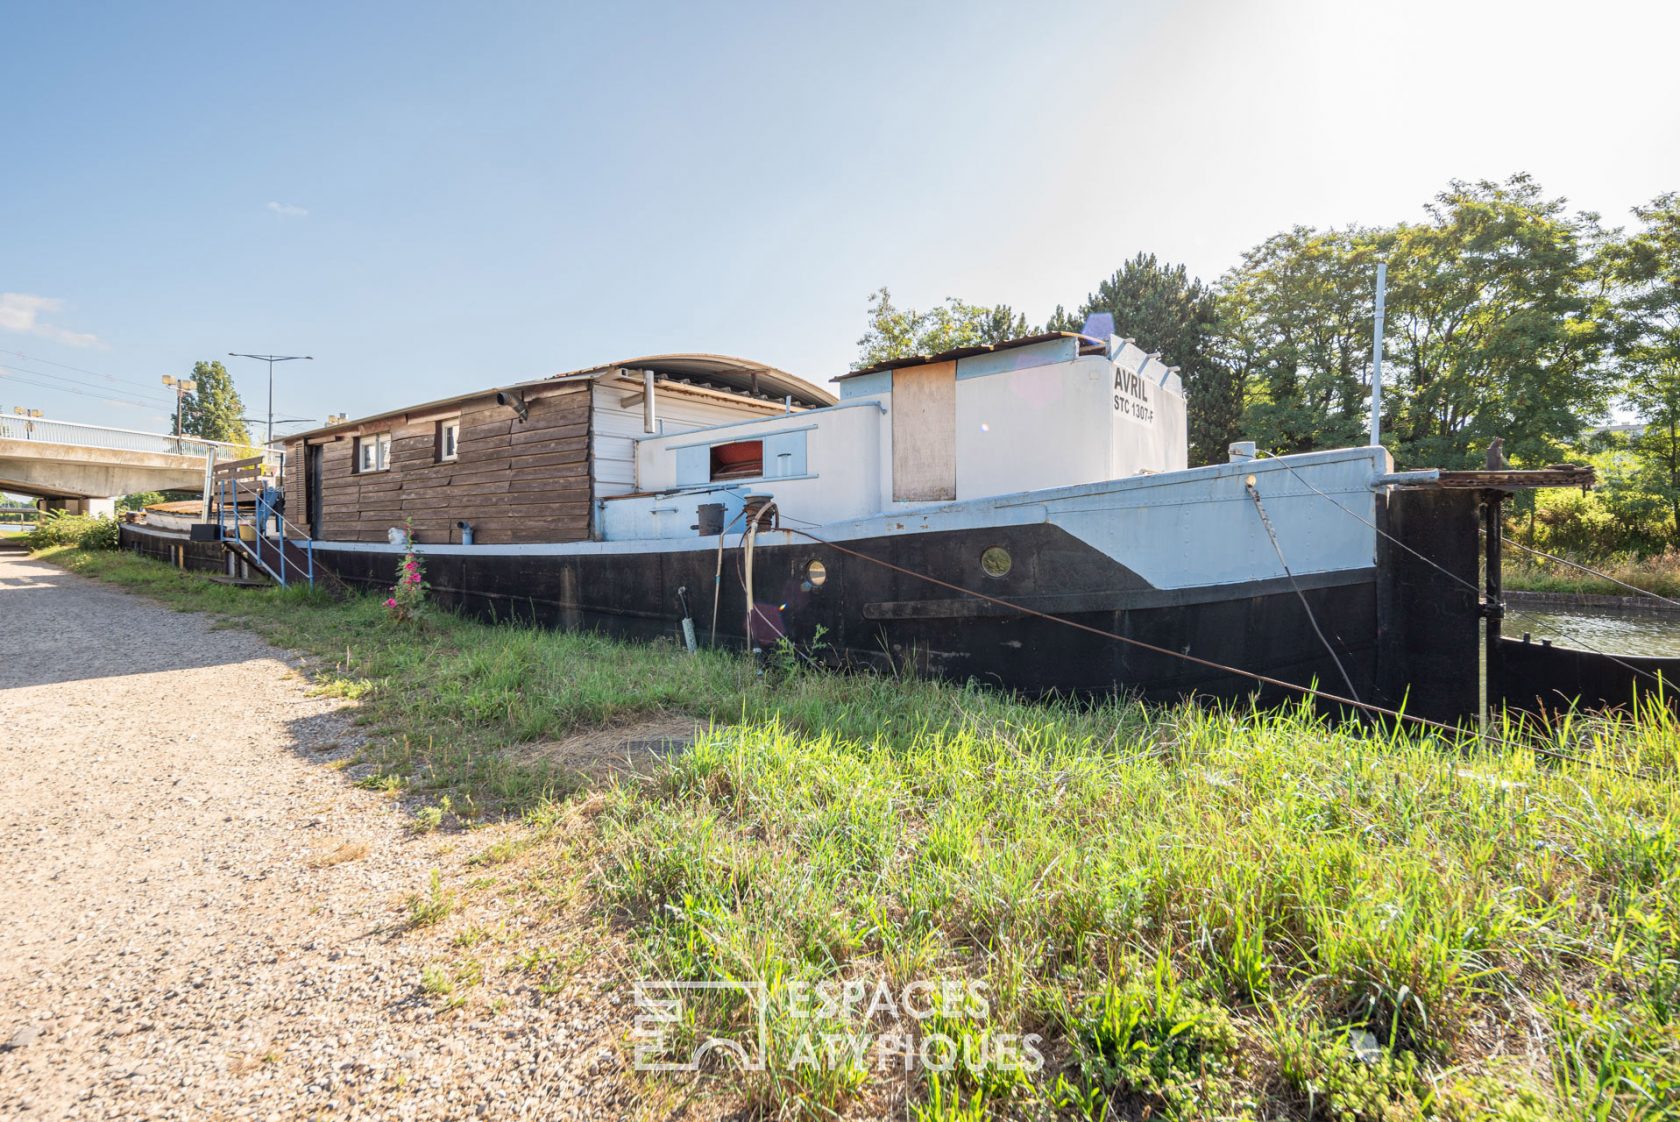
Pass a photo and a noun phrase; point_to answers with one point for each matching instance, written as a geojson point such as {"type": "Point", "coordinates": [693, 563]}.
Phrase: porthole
{"type": "Point", "coordinates": [815, 573]}
{"type": "Point", "coordinates": [996, 562]}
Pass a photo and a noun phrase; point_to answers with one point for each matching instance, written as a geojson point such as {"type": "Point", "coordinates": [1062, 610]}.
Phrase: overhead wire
{"type": "Point", "coordinates": [78, 369]}
{"type": "Point", "coordinates": [80, 389]}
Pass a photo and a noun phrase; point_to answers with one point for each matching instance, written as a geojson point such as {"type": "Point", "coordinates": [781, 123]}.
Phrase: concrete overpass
{"type": "Point", "coordinates": [86, 468]}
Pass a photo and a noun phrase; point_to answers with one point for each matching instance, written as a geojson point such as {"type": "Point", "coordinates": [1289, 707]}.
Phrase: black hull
{"type": "Point", "coordinates": [870, 615]}
{"type": "Point", "coordinates": [1397, 635]}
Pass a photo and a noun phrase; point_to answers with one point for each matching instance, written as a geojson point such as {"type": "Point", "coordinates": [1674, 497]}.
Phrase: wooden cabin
{"type": "Point", "coordinates": [523, 463]}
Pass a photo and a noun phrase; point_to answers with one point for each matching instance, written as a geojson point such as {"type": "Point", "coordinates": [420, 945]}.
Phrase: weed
{"type": "Point", "coordinates": [429, 907]}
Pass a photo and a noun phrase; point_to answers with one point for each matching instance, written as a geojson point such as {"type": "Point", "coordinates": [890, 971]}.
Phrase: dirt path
{"type": "Point", "coordinates": [175, 943]}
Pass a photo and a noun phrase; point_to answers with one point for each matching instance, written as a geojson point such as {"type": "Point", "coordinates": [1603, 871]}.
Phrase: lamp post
{"type": "Point", "coordinates": [271, 360]}
{"type": "Point", "coordinates": [183, 386]}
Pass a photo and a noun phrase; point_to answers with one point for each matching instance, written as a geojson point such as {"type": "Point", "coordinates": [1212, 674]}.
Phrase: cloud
{"type": "Point", "coordinates": [288, 210]}
{"type": "Point", "coordinates": [21, 312]}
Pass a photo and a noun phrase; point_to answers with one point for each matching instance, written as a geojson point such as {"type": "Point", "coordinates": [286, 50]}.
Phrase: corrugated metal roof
{"type": "Point", "coordinates": [1096, 346]}
{"type": "Point", "coordinates": [732, 375]}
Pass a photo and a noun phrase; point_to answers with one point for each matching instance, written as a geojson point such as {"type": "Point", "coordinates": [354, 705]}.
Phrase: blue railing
{"type": "Point", "coordinates": [264, 512]}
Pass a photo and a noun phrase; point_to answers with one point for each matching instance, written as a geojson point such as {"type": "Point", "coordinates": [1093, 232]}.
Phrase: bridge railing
{"type": "Point", "coordinates": [126, 440]}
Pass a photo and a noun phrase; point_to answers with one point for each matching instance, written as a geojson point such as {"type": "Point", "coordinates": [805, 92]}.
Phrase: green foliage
{"type": "Point", "coordinates": [1496, 326]}
{"type": "Point", "coordinates": [894, 333]}
{"type": "Point", "coordinates": [1167, 311]}
{"type": "Point", "coordinates": [56, 528]}
{"type": "Point", "coordinates": [407, 601]}
{"type": "Point", "coordinates": [1205, 913]}
{"type": "Point", "coordinates": [1498, 306]}
{"type": "Point", "coordinates": [1646, 268]}
{"type": "Point", "coordinates": [1295, 321]}
{"type": "Point", "coordinates": [140, 500]}
{"type": "Point", "coordinates": [1149, 1040]}
{"type": "Point", "coordinates": [213, 410]}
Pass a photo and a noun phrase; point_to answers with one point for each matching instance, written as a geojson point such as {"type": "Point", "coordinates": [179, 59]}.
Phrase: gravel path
{"type": "Point", "coordinates": [175, 943]}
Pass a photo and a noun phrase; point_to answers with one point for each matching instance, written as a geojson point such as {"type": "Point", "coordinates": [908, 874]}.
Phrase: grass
{"type": "Point", "coordinates": [1659, 574]}
{"type": "Point", "coordinates": [1187, 913]}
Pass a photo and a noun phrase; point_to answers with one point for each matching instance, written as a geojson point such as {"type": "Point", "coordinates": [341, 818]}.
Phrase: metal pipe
{"type": "Point", "coordinates": [1493, 607]}
{"type": "Point", "coordinates": [1377, 354]}
{"type": "Point", "coordinates": [650, 418]}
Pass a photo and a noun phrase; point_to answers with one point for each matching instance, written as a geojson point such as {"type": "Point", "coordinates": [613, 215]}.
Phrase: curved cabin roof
{"type": "Point", "coordinates": [1087, 345]}
{"type": "Point", "coordinates": [724, 371]}
{"type": "Point", "coordinates": [752, 380]}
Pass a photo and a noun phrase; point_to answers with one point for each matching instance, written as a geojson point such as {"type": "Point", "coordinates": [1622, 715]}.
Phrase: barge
{"type": "Point", "coordinates": [1020, 514]}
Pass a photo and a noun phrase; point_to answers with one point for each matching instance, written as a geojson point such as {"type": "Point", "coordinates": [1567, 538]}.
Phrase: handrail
{"type": "Point", "coordinates": [77, 434]}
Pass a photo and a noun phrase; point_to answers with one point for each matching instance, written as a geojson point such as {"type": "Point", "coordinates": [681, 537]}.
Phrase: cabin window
{"type": "Point", "coordinates": [741, 459]}
{"type": "Point", "coordinates": [373, 453]}
{"type": "Point", "coordinates": [448, 440]}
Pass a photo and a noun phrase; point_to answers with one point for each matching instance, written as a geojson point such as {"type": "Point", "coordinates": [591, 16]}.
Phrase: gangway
{"type": "Point", "coordinates": [246, 509]}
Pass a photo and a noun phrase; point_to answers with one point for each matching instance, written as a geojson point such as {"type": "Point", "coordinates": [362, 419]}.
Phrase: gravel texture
{"type": "Point", "coordinates": [177, 943]}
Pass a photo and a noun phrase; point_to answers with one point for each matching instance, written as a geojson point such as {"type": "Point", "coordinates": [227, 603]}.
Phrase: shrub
{"type": "Point", "coordinates": [99, 533]}
{"type": "Point", "coordinates": [59, 528]}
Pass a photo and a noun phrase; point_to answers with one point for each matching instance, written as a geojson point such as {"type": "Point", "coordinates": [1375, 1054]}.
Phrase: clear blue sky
{"type": "Point", "coordinates": [432, 198]}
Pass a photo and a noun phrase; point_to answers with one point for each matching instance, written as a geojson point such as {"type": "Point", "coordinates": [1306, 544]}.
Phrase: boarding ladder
{"type": "Point", "coordinates": [250, 528]}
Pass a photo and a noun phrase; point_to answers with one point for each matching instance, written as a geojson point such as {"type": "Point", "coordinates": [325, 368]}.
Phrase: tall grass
{"type": "Point", "coordinates": [1659, 573]}
{"type": "Point", "coordinates": [1198, 913]}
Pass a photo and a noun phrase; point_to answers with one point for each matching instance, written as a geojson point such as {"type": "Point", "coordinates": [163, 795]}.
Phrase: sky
{"type": "Point", "coordinates": [435, 198]}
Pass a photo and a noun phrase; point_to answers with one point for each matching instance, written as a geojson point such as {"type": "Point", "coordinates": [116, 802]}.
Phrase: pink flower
{"type": "Point", "coordinates": [391, 603]}
{"type": "Point", "coordinates": [414, 578]}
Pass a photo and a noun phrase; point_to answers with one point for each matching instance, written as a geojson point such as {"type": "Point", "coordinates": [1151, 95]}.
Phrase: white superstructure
{"type": "Point", "coordinates": [1052, 411]}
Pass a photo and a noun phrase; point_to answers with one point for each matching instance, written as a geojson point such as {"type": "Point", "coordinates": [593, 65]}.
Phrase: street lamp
{"type": "Point", "coordinates": [271, 360]}
{"type": "Point", "coordinates": [182, 386]}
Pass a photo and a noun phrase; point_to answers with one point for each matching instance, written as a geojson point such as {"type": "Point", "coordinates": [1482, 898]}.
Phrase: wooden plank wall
{"type": "Point", "coordinates": [515, 481]}
{"type": "Point", "coordinates": [924, 429]}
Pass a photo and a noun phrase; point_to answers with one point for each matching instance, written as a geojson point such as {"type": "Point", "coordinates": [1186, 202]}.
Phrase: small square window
{"type": "Point", "coordinates": [373, 453]}
{"type": "Point", "coordinates": [448, 440]}
{"type": "Point", "coordinates": [742, 459]}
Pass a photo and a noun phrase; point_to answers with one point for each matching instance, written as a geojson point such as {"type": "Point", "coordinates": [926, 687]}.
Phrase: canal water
{"type": "Point", "coordinates": [1645, 633]}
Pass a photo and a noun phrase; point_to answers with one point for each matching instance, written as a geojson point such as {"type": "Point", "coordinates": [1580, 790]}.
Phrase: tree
{"type": "Point", "coordinates": [1295, 337]}
{"type": "Point", "coordinates": [1498, 309]}
{"type": "Point", "coordinates": [213, 410]}
{"type": "Point", "coordinates": [1496, 326]}
{"type": "Point", "coordinates": [898, 334]}
{"type": "Point", "coordinates": [1646, 340]}
{"type": "Point", "coordinates": [1164, 310]}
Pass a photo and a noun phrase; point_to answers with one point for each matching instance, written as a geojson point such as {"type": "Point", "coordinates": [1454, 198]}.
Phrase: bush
{"type": "Point", "coordinates": [59, 528]}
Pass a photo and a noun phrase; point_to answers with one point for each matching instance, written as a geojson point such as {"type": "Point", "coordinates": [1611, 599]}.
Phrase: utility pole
{"type": "Point", "coordinates": [271, 360]}
{"type": "Point", "coordinates": [1377, 355]}
{"type": "Point", "coordinates": [183, 386]}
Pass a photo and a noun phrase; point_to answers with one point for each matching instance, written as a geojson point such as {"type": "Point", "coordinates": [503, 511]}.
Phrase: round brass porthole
{"type": "Point", "coordinates": [996, 562]}
{"type": "Point", "coordinates": [815, 573]}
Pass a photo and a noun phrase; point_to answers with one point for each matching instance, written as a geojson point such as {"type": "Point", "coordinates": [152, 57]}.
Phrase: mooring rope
{"type": "Point", "coordinates": [1589, 569]}
{"type": "Point", "coordinates": [1307, 691]}
{"type": "Point", "coordinates": [1265, 520]}
{"type": "Point", "coordinates": [1450, 575]}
